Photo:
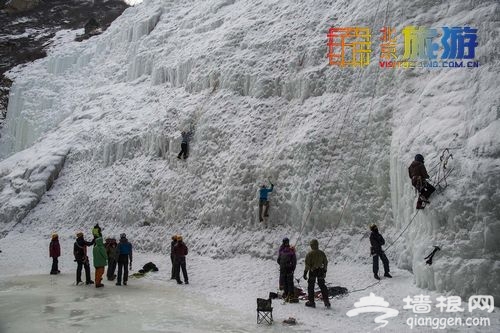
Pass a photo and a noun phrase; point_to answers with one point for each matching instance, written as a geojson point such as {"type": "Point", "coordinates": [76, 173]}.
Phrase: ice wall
{"type": "Point", "coordinates": [271, 115]}
{"type": "Point", "coordinates": [252, 79]}
{"type": "Point", "coordinates": [24, 179]}
{"type": "Point", "coordinates": [459, 110]}
{"type": "Point", "coordinates": [37, 106]}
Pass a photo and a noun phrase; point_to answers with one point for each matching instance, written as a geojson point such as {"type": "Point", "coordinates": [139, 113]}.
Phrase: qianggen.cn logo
{"type": "Point", "coordinates": [421, 306]}
{"type": "Point", "coordinates": [446, 47]}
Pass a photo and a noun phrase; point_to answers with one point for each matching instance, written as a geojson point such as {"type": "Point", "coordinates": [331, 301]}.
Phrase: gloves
{"type": "Point", "coordinates": [305, 275]}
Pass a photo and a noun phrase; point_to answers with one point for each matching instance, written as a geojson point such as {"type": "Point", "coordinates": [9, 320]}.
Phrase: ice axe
{"type": "Point", "coordinates": [431, 255]}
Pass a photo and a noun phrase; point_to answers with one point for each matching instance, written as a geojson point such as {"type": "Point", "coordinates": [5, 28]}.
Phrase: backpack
{"type": "Point", "coordinates": [336, 291]}
{"type": "Point", "coordinates": [149, 267]}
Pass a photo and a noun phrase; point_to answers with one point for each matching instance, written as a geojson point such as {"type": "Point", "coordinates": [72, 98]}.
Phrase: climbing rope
{"type": "Point", "coordinates": [362, 289]}
{"type": "Point", "coordinates": [402, 232]}
{"type": "Point", "coordinates": [328, 170]}
{"type": "Point", "coordinates": [365, 135]}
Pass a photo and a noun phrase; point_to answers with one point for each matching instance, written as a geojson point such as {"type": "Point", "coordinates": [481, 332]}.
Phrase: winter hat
{"type": "Point", "coordinates": [286, 241]}
{"type": "Point", "coordinates": [419, 158]}
{"type": "Point", "coordinates": [123, 235]}
{"type": "Point", "coordinates": [314, 244]}
{"type": "Point", "coordinates": [55, 235]}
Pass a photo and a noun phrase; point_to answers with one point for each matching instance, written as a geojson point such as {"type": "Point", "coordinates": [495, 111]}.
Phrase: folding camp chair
{"type": "Point", "coordinates": [264, 311]}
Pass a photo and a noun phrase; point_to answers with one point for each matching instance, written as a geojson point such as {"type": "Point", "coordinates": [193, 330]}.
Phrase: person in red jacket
{"type": "Point", "coordinates": [55, 253]}
{"type": "Point", "coordinates": [180, 253]}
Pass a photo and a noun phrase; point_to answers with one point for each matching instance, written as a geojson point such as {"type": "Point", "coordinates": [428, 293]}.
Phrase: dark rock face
{"type": "Point", "coordinates": [21, 5]}
{"type": "Point", "coordinates": [24, 34]}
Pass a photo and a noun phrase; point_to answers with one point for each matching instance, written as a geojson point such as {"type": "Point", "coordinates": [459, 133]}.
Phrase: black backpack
{"type": "Point", "coordinates": [149, 267]}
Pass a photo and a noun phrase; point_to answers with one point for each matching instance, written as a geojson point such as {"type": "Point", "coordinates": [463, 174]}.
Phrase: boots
{"type": "Point", "coordinates": [420, 204]}
{"type": "Point", "coordinates": [424, 199]}
{"type": "Point", "coordinates": [376, 276]}
{"type": "Point", "coordinates": [388, 275]}
{"type": "Point", "coordinates": [310, 304]}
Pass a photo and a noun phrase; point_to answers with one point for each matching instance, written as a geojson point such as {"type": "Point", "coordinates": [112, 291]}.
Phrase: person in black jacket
{"type": "Point", "coordinates": [180, 253]}
{"type": "Point", "coordinates": [418, 175]}
{"type": "Point", "coordinates": [81, 258]}
{"type": "Point", "coordinates": [376, 241]}
{"type": "Point", "coordinates": [172, 244]}
{"type": "Point", "coordinates": [186, 137]}
{"type": "Point", "coordinates": [288, 262]}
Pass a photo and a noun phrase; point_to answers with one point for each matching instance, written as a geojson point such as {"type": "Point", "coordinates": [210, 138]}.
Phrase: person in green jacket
{"type": "Point", "coordinates": [316, 265]}
{"type": "Point", "coordinates": [100, 261]}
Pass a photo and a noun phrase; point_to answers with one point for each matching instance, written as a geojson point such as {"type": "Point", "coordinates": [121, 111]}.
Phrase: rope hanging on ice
{"type": "Point", "coordinates": [328, 170]}
{"type": "Point", "coordinates": [402, 232]}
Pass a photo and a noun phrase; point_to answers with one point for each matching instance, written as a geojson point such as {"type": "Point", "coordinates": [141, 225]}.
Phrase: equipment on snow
{"type": "Point", "coordinates": [431, 255]}
{"type": "Point", "coordinates": [149, 267]}
{"type": "Point", "coordinates": [264, 311]}
{"type": "Point", "coordinates": [337, 291]}
{"type": "Point", "coordinates": [290, 321]}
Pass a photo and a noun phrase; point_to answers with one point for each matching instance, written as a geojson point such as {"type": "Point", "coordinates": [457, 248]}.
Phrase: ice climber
{"type": "Point", "coordinates": [316, 265]}
{"type": "Point", "coordinates": [376, 242]}
{"type": "Point", "coordinates": [186, 137]}
{"type": "Point", "coordinates": [180, 253]}
{"type": "Point", "coordinates": [100, 261]}
{"type": "Point", "coordinates": [111, 251]}
{"type": "Point", "coordinates": [418, 175]}
{"type": "Point", "coordinates": [264, 201]}
{"type": "Point", "coordinates": [81, 258]}
{"type": "Point", "coordinates": [54, 253]}
{"type": "Point", "coordinates": [124, 251]}
{"type": "Point", "coordinates": [172, 245]}
{"type": "Point", "coordinates": [287, 261]}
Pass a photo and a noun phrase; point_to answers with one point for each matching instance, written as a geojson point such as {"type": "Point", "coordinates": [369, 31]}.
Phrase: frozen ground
{"type": "Point", "coordinates": [221, 296]}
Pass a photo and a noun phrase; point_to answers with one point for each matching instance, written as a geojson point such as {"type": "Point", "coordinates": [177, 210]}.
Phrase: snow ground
{"type": "Point", "coordinates": [221, 296]}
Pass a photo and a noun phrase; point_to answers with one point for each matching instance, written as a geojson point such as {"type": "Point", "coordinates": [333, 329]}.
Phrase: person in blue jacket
{"type": "Point", "coordinates": [264, 201]}
{"type": "Point", "coordinates": [124, 251]}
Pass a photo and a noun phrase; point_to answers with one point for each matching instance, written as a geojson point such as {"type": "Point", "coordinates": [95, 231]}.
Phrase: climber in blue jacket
{"type": "Point", "coordinates": [263, 200]}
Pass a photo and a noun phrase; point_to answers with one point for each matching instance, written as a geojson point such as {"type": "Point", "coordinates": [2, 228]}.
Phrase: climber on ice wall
{"type": "Point", "coordinates": [418, 175]}
{"type": "Point", "coordinates": [264, 201]}
{"type": "Point", "coordinates": [186, 137]}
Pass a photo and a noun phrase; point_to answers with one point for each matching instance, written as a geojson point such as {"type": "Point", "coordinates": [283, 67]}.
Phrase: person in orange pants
{"type": "Point", "coordinates": [100, 261]}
